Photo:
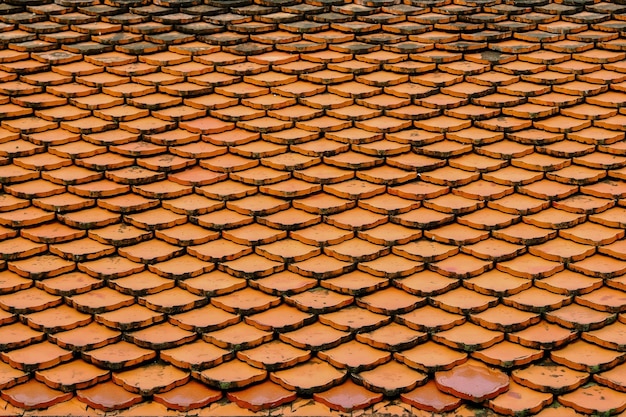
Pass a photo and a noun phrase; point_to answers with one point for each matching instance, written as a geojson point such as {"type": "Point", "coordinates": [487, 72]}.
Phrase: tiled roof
{"type": "Point", "coordinates": [221, 207]}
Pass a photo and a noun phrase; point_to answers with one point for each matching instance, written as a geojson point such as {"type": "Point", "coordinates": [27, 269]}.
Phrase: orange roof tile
{"type": "Point", "coordinates": [312, 207]}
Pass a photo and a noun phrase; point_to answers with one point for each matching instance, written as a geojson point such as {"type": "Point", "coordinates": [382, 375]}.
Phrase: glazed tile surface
{"type": "Point", "coordinates": [312, 207]}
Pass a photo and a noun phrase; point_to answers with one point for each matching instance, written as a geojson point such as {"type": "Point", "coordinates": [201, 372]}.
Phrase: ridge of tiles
{"type": "Point", "coordinates": [312, 207]}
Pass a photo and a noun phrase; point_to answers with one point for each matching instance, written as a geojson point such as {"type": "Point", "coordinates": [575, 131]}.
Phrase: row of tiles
{"type": "Point", "coordinates": [575, 333]}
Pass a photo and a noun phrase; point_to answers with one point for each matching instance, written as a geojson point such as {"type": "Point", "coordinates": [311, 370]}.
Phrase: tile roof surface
{"type": "Point", "coordinates": [221, 207]}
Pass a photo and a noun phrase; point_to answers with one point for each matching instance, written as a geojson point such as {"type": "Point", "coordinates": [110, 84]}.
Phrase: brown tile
{"type": "Point", "coordinates": [315, 337]}
{"type": "Point", "coordinates": [354, 250]}
{"type": "Point", "coordinates": [423, 218]}
{"type": "Point", "coordinates": [251, 266]}
{"type": "Point", "coordinates": [529, 80]}
{"type": "Point", "coordinates": [390, 266]}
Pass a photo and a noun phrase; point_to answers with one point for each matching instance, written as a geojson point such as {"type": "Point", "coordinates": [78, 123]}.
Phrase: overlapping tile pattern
{"type": "Point", "coordinates": [318, 206]}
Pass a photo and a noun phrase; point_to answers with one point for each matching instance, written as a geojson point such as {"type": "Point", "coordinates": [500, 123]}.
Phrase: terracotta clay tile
{"type": "Point", "coordinates": [232, 374]}
{"type": "Point", "coordinates": [273, 355]}
{"type": "Point", "coordinates": [41, 266]}
{"type": "Point", "coordinates": [436, 320]}
{"type": "Point", "coordinates": [20, 248]}
{"type": "Point", "coordinates": [520, 399]}
{"type": "Point", "coordinates": [52, 233]}
{"type": "Point", "coordinates": [100, 300]}
{"type": "Point", "coordinates": [161, 336]}
{"type": "Point", "coordinates": [594, 399]}
{"type": "Point", "coordinates": [353, 318]}
{"type": "Point", "coordinates": [68, 284]}
{"type": "Point", "coordinates": [34, 395]}
{"type": "Point", "coordinates": [107, 397]}
{"type": "Point", "coordinates": [354, 283]}
{"type": "Point", "coordinates": [493, 250]}
{"type": "Point", "coordinates": [118, 355]}
{"type": "Point", "coordinates": [312, 376]}
{"type": "Point", "coordinates": [191, 396]}
{"type": "Point", "coordinates": [550, 378]}
{"type": "Point", "coordinates": [488, 383]}
{"type": "Point", "coordinates": [359, 397]}
{"type": "Point", "coordinates": [429, 398]}
{"type": "Point", "coordinates": [28, 301]}
{"type": "Point", "coordinates": [469, 337]}
{"type": "Point", "coordinates": [390, 265]}
{"type": "Point", "coordinates": [219, 250]}
{"type": "Point", "coordinates": [11, 376]}
{"type": "Point", "coordinates": [611, 378]}
{"type": "Point", "coordinates": [612, 300]}
{"type": "Point", "coordinates": [533, 59]}
{"type": "Point", "coordinates": [591, 234]}
{"type": "Point", "coordinates": [72, 375]}
{"type": "Point", "coordinates": [150, 379]}
{"type": "Point", "coordinates": [567, 281]}
{"type": "Point", "coordinates": [129, 318]}
{"type": "Point", "coordinates": [36, 356]}
{"type": "Point", "coordinates": [56, 319]}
